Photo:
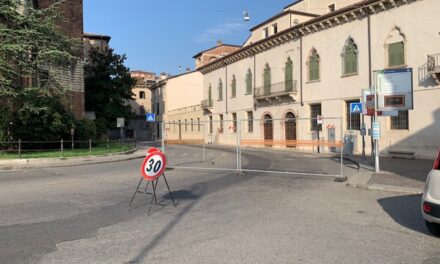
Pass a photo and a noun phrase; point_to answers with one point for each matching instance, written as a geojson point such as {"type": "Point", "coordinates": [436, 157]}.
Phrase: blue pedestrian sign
{"type": "Point", "coordinates": [355, 108]}
{"type": "Point", "coordinates": [151, 117]}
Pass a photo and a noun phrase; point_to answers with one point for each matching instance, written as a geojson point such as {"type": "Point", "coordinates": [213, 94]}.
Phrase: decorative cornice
{"type": "Point", "coordinates": [333, 19]}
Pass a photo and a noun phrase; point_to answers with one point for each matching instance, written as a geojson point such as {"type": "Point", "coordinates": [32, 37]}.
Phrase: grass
{"type": "Point", "coordinates": [97, 150]}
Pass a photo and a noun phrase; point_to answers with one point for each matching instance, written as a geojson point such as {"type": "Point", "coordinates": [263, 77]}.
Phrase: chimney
{"type": "Point", "coordinates": [219, 42]}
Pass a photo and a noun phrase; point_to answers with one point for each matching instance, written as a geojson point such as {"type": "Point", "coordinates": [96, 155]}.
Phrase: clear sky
{"type": "Point", "coordinates": [160, 35]}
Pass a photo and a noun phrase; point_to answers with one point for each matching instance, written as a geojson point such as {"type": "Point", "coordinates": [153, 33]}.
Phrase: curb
{"type": "Point", "coordinates": [381, 187]}
{"type": "Point", "coordinates": [387, 188]}
{"type": "Point", "coordinates": [73, 161]}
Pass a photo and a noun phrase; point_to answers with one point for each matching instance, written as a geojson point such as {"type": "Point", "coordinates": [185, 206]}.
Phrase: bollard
{"type": "Point", "coordinates": [19, 148]}
{"type": "Point", "coordinates": [62, 148]}
{"type": "Point", "coordinates": [90, 147]}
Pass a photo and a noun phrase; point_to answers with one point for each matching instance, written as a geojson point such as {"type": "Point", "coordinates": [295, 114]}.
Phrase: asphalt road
{"type": "Point", "coordinates": [79, 215]}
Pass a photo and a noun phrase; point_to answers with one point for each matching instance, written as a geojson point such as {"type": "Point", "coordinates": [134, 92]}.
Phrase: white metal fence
{"type": "Point", "coordinates": [293, 146]}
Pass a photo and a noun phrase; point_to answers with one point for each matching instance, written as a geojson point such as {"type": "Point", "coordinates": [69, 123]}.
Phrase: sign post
{"type": "Point", "coordinates": [120, 122]}
{"type": "Point", "coordinates": [152, 168]}
{"type": "Point", "coordinates": [319, 125]}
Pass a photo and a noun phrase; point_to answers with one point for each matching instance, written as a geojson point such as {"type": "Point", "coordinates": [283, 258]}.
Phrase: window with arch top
{"type": "Point", "coordinates": [233, 86]}
{"type": "Point", "coordinates": [314, 66]}
{"type": "Point", "coordinates": [350, 58]}
{"type": "Point", "coordinates": [288, 75]}
{"type": "Point", "coordinates": [220, 90]}
{"type": "Point", "coordinates": [395, 48]}
{"type": "Point", "coordinates": [266, 78]}
{"type": "Point", "coordinates": [249, 82]}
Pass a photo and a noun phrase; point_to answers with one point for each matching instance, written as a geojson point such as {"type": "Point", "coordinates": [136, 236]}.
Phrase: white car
{"type": "Point", "coordinates": [431, 199]}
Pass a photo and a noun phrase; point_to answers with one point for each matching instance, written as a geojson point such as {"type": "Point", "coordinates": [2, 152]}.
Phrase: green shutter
{"type": "Point", "coordinates": [267, 80]}
{"type": "Point", "coordinates": [396, 54]}
{"type": "Point", "coordinates": [288, 76]}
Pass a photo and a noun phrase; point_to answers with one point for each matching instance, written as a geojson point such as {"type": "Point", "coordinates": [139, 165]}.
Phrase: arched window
{"type": "Point", "coordinates": [313, 66]}
{"type": "Point", "coordinates": [395, 48]}
{"type": "Point", "coordinates": [233, 86]}
{"type": "Point", "coordinates": [249, 82]}
{"type": "Point", "coordinates": [266, 78]}
{"type": "Point", "coordinates": [350, 57]}
{"type": "Point", "coordinates": [209, 95]}
{"type": "Point", "coordinates": [220, 90]}
{"type": "Point", "coordinates": [288, 75]}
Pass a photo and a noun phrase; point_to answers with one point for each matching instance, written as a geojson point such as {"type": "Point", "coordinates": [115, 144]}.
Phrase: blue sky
{"type": "Point", "coordinates": [158, 36]}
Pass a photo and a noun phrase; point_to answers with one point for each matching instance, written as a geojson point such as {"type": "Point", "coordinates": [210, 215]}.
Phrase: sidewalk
{"type": "Point", "coordinates": [20, 164]}
{"type": "Point", "coordinates": [396, 175]}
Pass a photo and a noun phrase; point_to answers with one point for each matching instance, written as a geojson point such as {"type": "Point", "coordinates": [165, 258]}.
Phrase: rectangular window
{"type": "Point", "coordinates": [210, 124]}
{"type": "Point", "coordinates": [142, 95]}
{"type": "Point", "coordinates": [221, 124]}
{"type": "Point", "coordinates": [355, 118]}
{"type": "Point", "coordinates": [275, 28]}
{"type": "Point", "coordinates": [265, 32]}
{"type": "Point", "coordinates": [192, 125]}
{"type": "Point", "coordinates": [396, 56]}
{"type": "Point", "coordinates": [315, 110]}
{"type": "Point", "coordinates": [234, 122]}
{"type": "Point", "coordinates": [198, 124]}
{"type": "Point", "coordinates": [250, 118]}
{"type": "Point", "coordinates": [401, 121]}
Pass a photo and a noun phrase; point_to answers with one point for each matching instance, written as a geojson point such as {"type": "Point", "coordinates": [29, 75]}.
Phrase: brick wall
{"type": "Point", "coordinates": [71, 77]}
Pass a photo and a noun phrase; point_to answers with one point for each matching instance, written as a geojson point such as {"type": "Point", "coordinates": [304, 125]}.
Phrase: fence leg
{"type": "Point", "coordinates": [90, 147]}
{"type": "Point", "coordinates": [62, 148]}
{"type": "Point", "coordinates": [19, 148]}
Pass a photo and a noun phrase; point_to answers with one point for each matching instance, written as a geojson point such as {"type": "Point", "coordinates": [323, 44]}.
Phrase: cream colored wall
{"type": "Point", "coordinates": [183, 91]}
{"type": "Point", "coordinates": [320, 7]}
{"type": "Point", "coordinates": [137, 101]}
{"type": "Point", "coordinates": [283, 23]}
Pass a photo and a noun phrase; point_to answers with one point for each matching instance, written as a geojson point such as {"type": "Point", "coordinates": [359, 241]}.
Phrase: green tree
{"type": "Point", "coordinates": [108, 86]}
{"type": "Point", "coordinates": [32, 51]}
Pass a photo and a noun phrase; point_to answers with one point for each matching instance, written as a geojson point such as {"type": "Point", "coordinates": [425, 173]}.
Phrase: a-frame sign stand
{"type": "Point", "coordinates": [154, 196]}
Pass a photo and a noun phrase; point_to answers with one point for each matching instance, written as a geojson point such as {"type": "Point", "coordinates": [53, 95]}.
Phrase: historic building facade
{"type": "Point", "coordinates": [320, 63]}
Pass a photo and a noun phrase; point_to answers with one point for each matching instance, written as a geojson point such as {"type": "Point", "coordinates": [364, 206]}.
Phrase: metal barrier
{"type": "Point", "coordinates": [292, 146]}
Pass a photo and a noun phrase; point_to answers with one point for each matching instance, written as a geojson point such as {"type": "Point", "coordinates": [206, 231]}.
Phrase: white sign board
{"type": "Point", "coordinates": [394, 89]}
{"type": "Point", "coordinates": [120, 122]}
{"type": "Point", "coordinates": [319, 119]}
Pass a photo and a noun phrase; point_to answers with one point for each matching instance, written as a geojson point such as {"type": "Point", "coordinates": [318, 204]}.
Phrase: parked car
{"type": "Point", "coordinates": [431, 199]}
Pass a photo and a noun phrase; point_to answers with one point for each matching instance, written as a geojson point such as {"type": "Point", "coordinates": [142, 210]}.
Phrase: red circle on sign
{"type": "Point", "coordinates": [153, 165]}
{"type": "Point", "coordinates": [151, 150]}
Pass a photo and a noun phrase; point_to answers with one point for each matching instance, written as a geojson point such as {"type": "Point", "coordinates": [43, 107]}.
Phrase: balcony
{"type": "Point", "coordinates": [433, 63]}
{"type": "Point", "coordinates": [277, 92]}
{"type": "Point", "coordinates": [206, 105]}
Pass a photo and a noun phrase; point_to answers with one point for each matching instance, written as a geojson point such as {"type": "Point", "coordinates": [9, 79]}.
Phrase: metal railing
{"type": "Point", "coordinates": [276, 89]}
{"type": "Point", "coordinates": [62, 148]}
{"type": "Point", "coordinates": [433, 63]}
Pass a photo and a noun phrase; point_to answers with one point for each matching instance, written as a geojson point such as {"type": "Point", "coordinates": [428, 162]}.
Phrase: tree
{"type": "Point", "coordinates": [108, 86]}
{"type": "Point", "coordinates": [32, 51]}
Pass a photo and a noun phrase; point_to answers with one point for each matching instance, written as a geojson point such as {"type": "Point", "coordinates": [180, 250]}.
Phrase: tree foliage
{"type": "Point", "coordinates": [108, 86]}
{"type": "Point", "coordinates": [31, 51]}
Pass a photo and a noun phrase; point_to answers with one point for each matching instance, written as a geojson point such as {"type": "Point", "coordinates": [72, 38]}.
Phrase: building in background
{"type": "Point", "coordinates": [95, 41]}
{"type": "Point", "coordinates": [220, 50]}
{"type": "Point", "coordinates": [141, 105]}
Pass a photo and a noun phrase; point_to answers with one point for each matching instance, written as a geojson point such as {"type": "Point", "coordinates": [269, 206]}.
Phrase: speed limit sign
{"type": "Point", "coordinates": [153, 165]}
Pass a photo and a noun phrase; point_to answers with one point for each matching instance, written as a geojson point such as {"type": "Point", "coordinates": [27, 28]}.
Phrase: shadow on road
{"type": "Point", "coordinates": [193, 195]}
{"type": "Point", "coordinates": [405, 210]}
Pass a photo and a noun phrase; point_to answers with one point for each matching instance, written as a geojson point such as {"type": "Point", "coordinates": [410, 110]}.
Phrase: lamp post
{"type": "Point", "coordinates": [72, 133]}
